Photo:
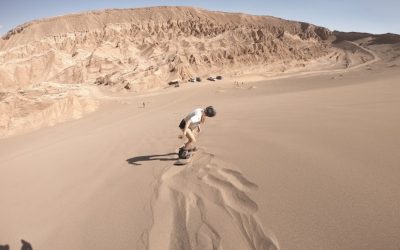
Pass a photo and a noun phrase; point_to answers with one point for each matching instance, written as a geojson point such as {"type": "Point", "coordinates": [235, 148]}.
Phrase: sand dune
{"type": "Point", "coordinates": [209, 206]}
{"type": "Point", "coordinates": [303, 162]}
{"type": "Point", "coordinates": [301, 155]}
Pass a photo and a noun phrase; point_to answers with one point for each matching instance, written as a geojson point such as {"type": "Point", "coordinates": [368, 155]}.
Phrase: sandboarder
{"type": "Point", "coordinates": [191, 122]}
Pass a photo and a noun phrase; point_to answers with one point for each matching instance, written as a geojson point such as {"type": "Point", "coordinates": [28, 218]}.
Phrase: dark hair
{"type": "Point", "coordinates": [210, 111]}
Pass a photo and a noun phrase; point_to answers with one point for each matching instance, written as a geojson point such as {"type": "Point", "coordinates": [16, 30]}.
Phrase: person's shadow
{"type": "Point", "coordinates": [165, 157]}
{"type": "Point", "coordinates": [25, 246]}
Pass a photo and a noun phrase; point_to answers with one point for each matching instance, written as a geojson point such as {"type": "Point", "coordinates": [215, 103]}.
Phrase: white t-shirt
{"type": "Point", "coordinates": [194, 117]}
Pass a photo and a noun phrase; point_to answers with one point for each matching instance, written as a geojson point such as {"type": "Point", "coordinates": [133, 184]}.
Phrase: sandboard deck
{"type": "Point", "coordinates": [180, 162]}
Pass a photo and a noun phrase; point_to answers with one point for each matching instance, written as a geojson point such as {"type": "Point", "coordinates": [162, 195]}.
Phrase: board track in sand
{"type": "Point", "coordinates": [204, 205]}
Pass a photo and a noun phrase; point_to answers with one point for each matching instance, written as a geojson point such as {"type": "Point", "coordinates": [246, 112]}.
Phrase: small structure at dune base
{"type": "Point", "coordinates": [174, 83]}
{"type": "Point", "coordinates": [194, 79]}
{"type": "Point", "coordinates": [213, 78]}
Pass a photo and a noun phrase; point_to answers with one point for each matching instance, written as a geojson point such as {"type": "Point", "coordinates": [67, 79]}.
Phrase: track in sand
{"type": "Point", "coordinates": [204, 205]}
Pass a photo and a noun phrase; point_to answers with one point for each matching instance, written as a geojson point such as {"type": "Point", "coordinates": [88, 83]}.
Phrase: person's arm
{"type": "Point", "coordinates": [203, 119]}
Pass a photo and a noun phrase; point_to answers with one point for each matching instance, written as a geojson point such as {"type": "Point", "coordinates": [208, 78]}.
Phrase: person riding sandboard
{"type": "Point", "coordinates": [188, 125]}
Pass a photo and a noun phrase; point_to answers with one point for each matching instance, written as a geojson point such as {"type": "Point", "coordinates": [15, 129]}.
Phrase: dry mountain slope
{"type": "Point", "coordinates": [144, 48]}
{"type": "Point", "coordinates": [49, 68]}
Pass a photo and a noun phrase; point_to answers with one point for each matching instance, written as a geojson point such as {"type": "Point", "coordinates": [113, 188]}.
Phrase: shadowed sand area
{"type": "Point", "coordinates": [308, 161]}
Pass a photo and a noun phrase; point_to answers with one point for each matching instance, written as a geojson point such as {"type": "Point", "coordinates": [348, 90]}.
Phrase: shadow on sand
{"type": "Point", "coordinates": [166, 157]}
{"type": "Point", "coordinates": [25, 246]}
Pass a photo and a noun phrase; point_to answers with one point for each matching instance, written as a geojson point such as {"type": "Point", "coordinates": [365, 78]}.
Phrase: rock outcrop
{"type": "Point", "coordinates": [144, 48]}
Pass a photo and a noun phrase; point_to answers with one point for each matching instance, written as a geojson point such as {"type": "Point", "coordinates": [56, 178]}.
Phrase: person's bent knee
{"type": "Point", "coordinates": [191, 139]}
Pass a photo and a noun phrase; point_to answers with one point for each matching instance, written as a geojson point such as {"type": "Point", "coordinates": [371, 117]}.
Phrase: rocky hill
{"type": "Point", "coordinates": [145, 48]}
{"type": "Point", "coordinates": [387, 38]}
{"type": "Point", "coordinates": [50, 69]}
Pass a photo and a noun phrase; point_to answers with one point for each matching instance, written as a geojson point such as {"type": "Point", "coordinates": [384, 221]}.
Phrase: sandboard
{"type": "Point", "coordinates": [180, 162]}
{"type": "Point", "coordinates": [188, 160]}
{"type": "Point", "coordinates": [194, 149]}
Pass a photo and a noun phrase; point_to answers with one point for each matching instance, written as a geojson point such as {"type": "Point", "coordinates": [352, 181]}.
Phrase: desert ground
{"type": "Point", "coordinates": [306, 160]}
{"type": "Point", "coordinates": [303, 152]}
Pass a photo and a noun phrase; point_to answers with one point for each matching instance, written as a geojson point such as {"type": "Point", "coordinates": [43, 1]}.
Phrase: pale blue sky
{"type": "Point", "coordinates": [345, 15]}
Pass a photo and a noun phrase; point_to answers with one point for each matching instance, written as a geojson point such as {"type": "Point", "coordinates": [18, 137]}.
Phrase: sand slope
{"type": "Point", "coordinates": [304, 162]}
{"type": "Point", "coordinates": [204, 206]}
{"type": "Point", "coordinates": [299, 158]}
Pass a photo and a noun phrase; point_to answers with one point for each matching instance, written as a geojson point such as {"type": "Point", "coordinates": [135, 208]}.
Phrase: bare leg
{"type": "Point", "coordinates": [191, 139]}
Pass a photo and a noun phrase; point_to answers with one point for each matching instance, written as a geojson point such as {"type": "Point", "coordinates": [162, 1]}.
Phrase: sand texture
{"type": "Point", "coordinates": [302, 154]}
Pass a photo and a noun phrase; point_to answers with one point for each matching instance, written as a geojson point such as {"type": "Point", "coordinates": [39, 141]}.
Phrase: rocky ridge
{"type": "Point", "coordinates": [48, 66]}
{"type": "Point", "coordinates": [145, 48]}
